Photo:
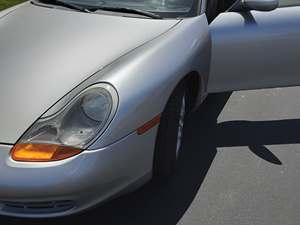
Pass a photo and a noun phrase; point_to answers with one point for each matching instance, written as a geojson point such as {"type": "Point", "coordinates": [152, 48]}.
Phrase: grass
{"type": "Point", "coordinates": [8, 3]}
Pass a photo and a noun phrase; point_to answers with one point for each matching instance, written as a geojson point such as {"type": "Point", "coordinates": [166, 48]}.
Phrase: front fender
{"type": "Point", "coordinates": [146, 77]}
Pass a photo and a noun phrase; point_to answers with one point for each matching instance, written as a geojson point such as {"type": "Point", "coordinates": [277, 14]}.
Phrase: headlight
{"type": "Point", "coordinates": [70, 130]}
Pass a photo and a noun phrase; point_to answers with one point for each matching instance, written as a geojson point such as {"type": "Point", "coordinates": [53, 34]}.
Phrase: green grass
{"type": "Point", "coordinates": [8, 3]}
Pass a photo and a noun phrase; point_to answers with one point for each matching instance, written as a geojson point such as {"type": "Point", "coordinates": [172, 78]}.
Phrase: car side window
{"type": "Point", "coordinates": [215, 7]}
{"type": "Point", "coordinates": [289, 3]}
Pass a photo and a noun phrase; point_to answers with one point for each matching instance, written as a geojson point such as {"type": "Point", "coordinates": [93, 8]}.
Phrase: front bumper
{"type": "Point", "coordinates": [84, 180]}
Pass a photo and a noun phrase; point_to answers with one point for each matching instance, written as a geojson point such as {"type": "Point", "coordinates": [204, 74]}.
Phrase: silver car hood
{"type": "Point", "coordinates": [45, 53]}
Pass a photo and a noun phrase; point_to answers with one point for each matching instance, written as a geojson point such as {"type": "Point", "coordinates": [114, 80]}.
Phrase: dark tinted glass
{"type": "Point", "coordinates": [286, 3]}
{"type": "Point", "coordinates": [170, 8]}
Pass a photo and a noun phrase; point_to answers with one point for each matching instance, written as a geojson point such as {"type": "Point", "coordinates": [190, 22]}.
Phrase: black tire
{"type": "Point", "coordinates": [165, 154]}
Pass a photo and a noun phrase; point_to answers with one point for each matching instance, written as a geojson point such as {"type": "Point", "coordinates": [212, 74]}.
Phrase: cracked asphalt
{"type": "Point", "coordinates": [240, 166]}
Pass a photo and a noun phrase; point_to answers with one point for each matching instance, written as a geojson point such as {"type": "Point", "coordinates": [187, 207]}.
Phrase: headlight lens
{"type": "Point", "coordinates": [96, 106]}
{"type": "Point", "coordinates": [69, 130]}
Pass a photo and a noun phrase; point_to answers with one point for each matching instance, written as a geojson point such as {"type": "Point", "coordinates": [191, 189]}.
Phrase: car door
{"type": "Point", "coordinates": [252, 50]}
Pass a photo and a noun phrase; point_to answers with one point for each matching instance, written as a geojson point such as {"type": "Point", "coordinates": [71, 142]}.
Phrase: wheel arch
{"type": "Point", "coordinates": [195, 86]}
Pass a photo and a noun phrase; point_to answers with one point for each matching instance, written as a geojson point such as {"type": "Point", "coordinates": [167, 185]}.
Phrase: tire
{"type": "Point", "coordinates": [170, 132]}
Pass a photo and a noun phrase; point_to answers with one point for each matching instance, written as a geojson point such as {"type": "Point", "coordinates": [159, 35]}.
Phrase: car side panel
{"type": "Point", "coordinates": [255, 50]}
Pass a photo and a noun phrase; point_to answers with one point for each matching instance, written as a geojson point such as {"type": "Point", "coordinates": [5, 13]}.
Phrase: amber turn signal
{"type": "Point", "coordinates": [30, 152]}
{"type": "Point", "coordinates": [150, 124]}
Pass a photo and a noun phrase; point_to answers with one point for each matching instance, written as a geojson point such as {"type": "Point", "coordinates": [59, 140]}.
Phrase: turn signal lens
{"type": "Point", "coordinates": [28, 152]}
{"type": "Point", "coordinates": [150, 124]}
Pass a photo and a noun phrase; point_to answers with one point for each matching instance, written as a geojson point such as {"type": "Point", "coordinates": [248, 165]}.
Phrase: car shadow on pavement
{"type": "Point", "coordinates": [165, 202]}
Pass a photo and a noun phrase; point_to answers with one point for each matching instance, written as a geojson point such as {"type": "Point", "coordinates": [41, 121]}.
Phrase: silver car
{"type": "Point", "coordinates": [94, 93]}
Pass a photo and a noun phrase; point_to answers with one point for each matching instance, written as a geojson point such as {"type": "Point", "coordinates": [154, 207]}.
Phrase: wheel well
{"type": "Point", "coordinates": [194, 85]}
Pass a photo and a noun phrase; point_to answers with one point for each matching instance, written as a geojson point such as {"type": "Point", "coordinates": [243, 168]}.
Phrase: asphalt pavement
{"type": "Point", "coordinates": [240, 166]}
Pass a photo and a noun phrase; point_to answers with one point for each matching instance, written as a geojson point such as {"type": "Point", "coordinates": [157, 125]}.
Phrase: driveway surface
{"type": "Point", "coordinates": [240, 166]}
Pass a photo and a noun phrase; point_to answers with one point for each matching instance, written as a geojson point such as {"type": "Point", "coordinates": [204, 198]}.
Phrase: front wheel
{"type": "Point", "coordinates": [171, 132]}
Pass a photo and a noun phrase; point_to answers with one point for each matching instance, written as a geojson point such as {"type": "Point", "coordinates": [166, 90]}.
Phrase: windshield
{"type": "Point", "coordinates": [165, 8]}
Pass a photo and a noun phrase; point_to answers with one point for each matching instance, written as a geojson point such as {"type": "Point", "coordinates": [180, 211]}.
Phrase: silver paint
{"type": "Point", "coordinates": [49, 55]}
{"type": "Point", "coordinates": [46, 52]}
{"type": "Point", "coordinates": [142, 59]}
{"type": "Point", "coordinates": [92, 176]}
{"type": "Point", "coordinates": [255, 50]}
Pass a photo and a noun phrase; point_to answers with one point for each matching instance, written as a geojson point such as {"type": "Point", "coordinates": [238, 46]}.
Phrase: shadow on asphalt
{"type": "Point", "coordinates": [165, 202]}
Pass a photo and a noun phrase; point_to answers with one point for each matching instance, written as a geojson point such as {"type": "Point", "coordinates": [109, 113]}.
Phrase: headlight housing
{"type": "Point", "coordinates": [72, 129]}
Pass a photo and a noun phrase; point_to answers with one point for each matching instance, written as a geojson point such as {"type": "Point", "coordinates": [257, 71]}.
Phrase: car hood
{"type": "Point", "coordinates": [46, 52]}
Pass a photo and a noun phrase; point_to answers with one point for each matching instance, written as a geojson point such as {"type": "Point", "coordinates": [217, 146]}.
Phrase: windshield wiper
{"type": "Point", "coordinates": [127, 10]}
{"type": "Point", "coordinates": [65, 4]}
{"type": "Point", "coordinates": [104, 8]}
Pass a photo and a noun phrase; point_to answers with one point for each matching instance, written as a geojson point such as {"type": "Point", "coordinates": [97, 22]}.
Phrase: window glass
{"type": "Point", "coordinates": [286, 3]}
{"type": "Point", "coordinates": [172, 8]}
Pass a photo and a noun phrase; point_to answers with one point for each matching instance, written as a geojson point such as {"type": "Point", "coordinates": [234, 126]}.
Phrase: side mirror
{"type": "Point", "coordinates": [259, 5]}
